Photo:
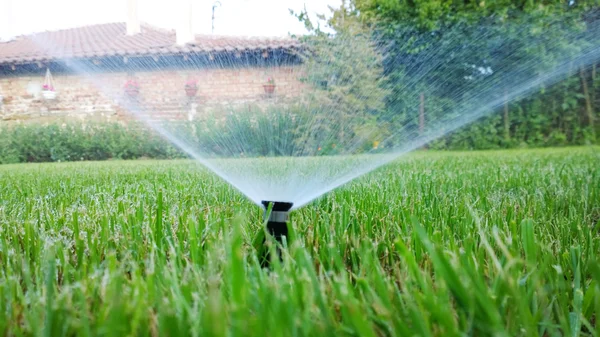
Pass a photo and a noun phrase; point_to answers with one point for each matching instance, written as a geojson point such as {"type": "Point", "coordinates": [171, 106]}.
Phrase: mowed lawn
{"type": "Point", "coordinates": [502, 243]}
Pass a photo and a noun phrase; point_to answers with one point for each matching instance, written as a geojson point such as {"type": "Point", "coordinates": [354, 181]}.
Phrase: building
{"type": "Point", "coordinates": [90, 66]}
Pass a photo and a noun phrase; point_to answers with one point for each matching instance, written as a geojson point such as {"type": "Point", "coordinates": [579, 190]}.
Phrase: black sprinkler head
{"type": "Point", "coordinates": [277, 222]}
{"type": "Point", "coordinates": [276, 225]}
{"type": "Point", "coordinates": [279, 206]}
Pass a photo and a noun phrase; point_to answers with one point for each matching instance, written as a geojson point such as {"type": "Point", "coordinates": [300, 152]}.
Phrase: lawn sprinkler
{"type": "Point", "coordinates": [277, 227]}
{"type": "Point", "coordinates": [277, 221]}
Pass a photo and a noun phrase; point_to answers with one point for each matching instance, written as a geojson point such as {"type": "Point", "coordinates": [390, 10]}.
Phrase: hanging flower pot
{"type": "Point", "coordinates": [132, 88]}
{"type": "Point", "coordinates": [270, 86]}
{"type": "Point", "coordinates": [48, 91]}
{"type": "Point", "coordinates": [191, 88]}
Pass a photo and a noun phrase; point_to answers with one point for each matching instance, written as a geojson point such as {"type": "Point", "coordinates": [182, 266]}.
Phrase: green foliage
{"type": "Point", "coordinates": [346, 74]}
{"type": "Point", "coordinates": [247, 132]}
{"type": "Point", "coordinates": [437, 244]}
{"type": "Point", "coordinates": [345, 71]}
{"type": "Point", "coordinates": [297, 130]}
{"type": "Point", "coordinates": [75, 141]}
{"type": "Point", "coordinates": [434, 48]}
{"type": "Point", "coordinates": [430, 15]}
{"type": "Point", "coordinates": [553, 117]}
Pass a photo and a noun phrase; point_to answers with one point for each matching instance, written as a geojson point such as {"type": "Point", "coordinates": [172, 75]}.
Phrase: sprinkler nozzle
{"type": "Point", "coordinates": [277, 221]}
{"type": "Point", "coordinates": [276, 226]}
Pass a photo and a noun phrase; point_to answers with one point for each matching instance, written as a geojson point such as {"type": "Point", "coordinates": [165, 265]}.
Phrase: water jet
{"type": "Point", "coordinates": [340, 119]}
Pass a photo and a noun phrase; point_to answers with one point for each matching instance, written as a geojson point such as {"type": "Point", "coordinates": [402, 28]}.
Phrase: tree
{"type": "Point", "coordinates": [345, 70]}
{"type": "Point", "coordinates": [464, 55]}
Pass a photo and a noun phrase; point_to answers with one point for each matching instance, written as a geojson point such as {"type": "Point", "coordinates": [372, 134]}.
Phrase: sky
{"type": "Point", "coordinates": [232, 17]}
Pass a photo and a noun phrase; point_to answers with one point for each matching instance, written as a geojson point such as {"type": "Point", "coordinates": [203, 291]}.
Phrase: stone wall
{"type": "Point", "coordinates": [162, 94]}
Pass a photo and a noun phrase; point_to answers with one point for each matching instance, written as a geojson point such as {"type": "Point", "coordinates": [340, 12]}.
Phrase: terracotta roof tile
{"type": "Point", "coordinates": [111, 39]}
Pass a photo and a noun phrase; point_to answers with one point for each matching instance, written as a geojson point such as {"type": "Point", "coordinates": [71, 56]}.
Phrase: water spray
{"type": "Point", "coordinates": [299, 149]}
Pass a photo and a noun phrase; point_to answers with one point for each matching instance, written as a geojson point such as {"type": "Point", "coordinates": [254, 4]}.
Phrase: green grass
{"type": "Point", "coordinates": [438, 244]}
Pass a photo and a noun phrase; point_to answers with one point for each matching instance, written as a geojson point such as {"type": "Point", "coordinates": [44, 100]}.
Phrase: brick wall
{"type": "Point", "coordinates": [101, 96]}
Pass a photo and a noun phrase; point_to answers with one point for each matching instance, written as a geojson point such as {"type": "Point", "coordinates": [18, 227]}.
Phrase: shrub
{"type": "Point", "coordinates": [73, 142]}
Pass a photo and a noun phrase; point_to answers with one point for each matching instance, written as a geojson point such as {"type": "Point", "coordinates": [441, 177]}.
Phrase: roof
{"type": "Point", "coordinates": [111, 40]}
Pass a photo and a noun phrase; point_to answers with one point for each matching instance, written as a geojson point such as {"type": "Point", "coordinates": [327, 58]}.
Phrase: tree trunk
{"type": "Point", "coordinates": [588, 101]}
{"type": "Point", "coordinates": [559, 120]}
{"type": "Point", "coordinates": [594, 93]}
{"type": "Point", "coordinates": [506, 120]}
{"type": "Point", "coordinates": [422, 115]}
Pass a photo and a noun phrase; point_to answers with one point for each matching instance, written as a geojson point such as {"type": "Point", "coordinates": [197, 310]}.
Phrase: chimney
{"type": "Point", "coordinates": [133, 22]}
{"type": "Point", "coordinates": [6, 33]}
{"type": "Point", "coordinates": [184, 32]}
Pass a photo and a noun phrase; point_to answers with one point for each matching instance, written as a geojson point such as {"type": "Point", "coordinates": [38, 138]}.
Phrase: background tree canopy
{"type": "Point", "coordinates": [442, 57]}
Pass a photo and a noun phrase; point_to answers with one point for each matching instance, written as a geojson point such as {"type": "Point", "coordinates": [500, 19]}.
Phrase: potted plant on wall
{"type": "Point", "coordinates": [132, 88]}
{"type": "Point", "coordinates": [48, 91]}
{"type": "Point", "coordinates": [270, 86]}
{"type": "Point", "coordinates": [191, 88]}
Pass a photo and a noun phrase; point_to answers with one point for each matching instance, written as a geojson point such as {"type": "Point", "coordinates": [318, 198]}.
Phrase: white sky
{"type": "Point", "coordinates": [233, 17]}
